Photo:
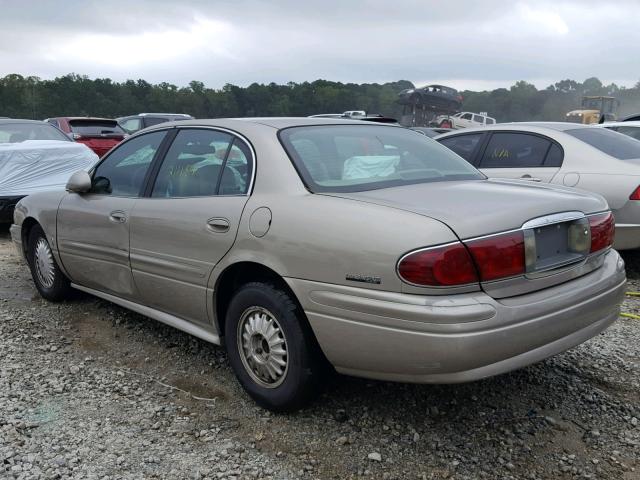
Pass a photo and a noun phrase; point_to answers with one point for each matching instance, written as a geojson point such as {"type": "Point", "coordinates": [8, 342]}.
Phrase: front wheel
{"type": "Point", "coordinates": [52, 284]}
{"type": "Point", "coordinates": [271, 349]}
{"type": "Point", "coordinates": [445, 124]}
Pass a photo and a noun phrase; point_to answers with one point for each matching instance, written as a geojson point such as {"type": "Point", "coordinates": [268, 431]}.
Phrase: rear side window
{"type": "Point", "coordinates": [95, 127]}
{"type": "Point", "coordinates": [131, 125]}
{"type": "Point", "coordinates": [555, 155]}
{"type": "Point", "coordinates": [463, 145]}
{"type": "Point", "coordinates": [490, 121]}
{"type": "Point", "coordinates": [122, 172]}
{"type": "Point", "coordinates": [478, 118]}
{"type": "Point", "coordinates": [615, 144]}
{"type": "Point", "coordinates": [633, 132]}
{"type": "Point", "coordinates": [203, 163]}
{"type": "Point", "coordinates": [149, 121]}
{"type": "Point", "coordinates": [21, 132]}
{"type": "Point", "coordinates": [466, 116]}
{"type": "Point", "coordinates": [514, 150]}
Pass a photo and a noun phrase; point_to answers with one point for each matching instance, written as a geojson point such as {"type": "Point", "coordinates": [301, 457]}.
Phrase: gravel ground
{"type": "Point", "coordinates": [90, 390]}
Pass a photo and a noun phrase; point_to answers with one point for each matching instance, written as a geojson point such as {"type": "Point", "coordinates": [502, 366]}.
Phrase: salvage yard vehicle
{"type": "Point", "coordinates": [300, 243]}
{"type": "Point", "coordinates": [585, 157]}
{"type": "Point", "coordinates": [99, 134]}
{"type": "Point", "coordinates": [134, 123]}
{"type": "Point", "coordinates": [35, 156]}
{"type": "Point", "coordinates": [433, 97]}
{"type": "Point", "coordinates": [463, 120]}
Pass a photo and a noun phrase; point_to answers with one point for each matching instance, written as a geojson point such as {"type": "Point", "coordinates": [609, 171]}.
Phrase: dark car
{"type": "Point", "coordinates": [133, 123]}
{"type": "Point", "coordinates": [99, 134]}
{"type": "Point", "coordinates": [433, 97]}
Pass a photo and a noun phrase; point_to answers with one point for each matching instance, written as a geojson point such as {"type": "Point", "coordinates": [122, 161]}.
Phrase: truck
{"type": "Point", "coordinates": [595, 109]}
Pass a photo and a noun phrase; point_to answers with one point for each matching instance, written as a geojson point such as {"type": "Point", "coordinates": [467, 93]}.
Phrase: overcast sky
{"type": "Point", "coordinates": [466, 44]}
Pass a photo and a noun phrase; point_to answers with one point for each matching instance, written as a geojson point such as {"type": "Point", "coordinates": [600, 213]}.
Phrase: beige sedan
{"type": "Point", "coordinates": [302, 244]}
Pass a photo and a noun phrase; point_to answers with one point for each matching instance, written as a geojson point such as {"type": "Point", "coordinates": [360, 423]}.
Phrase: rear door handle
{"type": "Point", "coordinates": [530, 178]}
{"type": "Point", "coordinates": [218, 224]}
{"type": "Point", "coordinates": [118, 216]}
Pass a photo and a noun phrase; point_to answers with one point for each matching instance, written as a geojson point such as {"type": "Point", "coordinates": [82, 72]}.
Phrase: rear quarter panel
{"type": "Point", "coordinates": [324, 239]}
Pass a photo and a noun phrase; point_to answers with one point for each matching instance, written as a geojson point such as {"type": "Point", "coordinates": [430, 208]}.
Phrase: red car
{"type": "Point", "coordinates": [99, 134]}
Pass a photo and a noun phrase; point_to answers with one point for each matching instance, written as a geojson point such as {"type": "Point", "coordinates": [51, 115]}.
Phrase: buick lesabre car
{"type": "Point", "coordinates": [300, 243]}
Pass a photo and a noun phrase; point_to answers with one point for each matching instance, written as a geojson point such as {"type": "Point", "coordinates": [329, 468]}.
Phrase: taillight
{"type": "Point", "coordinates": [443, 266]}
{"type": "Point", "coordinates": [499, 256]}
{"type": "Point", "coordinates": [603, 229]}
{"type": "Point", "coordinates": [635, 195]}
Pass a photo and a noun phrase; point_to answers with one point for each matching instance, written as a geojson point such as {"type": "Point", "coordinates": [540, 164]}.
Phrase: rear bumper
{"type": "Point", "coordinates": [627, 236]}
{"type": "Point", "coordinates": [16, 238]}
{"type": "Point", "coordinates": [457, 338]}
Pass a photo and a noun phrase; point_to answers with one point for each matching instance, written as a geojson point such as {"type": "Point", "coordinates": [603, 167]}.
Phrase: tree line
{"type": "Point", "coordinates": [79, 95]}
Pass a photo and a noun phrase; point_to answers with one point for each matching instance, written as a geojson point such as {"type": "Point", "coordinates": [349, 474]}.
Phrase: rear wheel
{"type": "Point", "coordinates": [445, 124]}
{"type": "Point", "coordinates": [47, 276]}
{"type": "Point", "coordinates": [271, 349]}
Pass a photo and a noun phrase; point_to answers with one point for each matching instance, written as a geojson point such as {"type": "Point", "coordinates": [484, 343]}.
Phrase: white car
{"type": "Point", "coordinates": [631, 128]}
{"type": "Point", "coordinates": [582, 156]}
{"type": "Point", "coordinates": [464, 120]}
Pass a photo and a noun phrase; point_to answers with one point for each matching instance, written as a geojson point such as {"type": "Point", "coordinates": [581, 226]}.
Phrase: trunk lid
{"type": "Point", "coordinates": [483, 207]}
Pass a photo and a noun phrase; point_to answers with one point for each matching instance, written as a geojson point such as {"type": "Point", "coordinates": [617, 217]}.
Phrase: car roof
{"type": "Point", "coordinates": [534, 127]}
{"type": "Point", "coordinates": [275, 122]}
{"type": "Point", "coordinates": [83, 118]}
{"type": "Point", "coordinates": [5, 121]}
{"type": "Point", "coordinates": [630, 123]}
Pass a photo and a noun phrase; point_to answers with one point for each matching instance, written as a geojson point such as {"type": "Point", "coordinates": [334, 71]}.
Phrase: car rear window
{"type": "Point", "coordinates": [615, 144]}
{"type": "Point", "coordinates": [19, 132]}
{"type": "Point", "coordinates": [95, 127]}
{"type": "Point", "coordinates": [353, 158]}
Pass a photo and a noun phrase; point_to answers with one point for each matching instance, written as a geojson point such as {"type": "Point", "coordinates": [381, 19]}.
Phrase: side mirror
{"type": "Point", "coordinates": [80, 182]}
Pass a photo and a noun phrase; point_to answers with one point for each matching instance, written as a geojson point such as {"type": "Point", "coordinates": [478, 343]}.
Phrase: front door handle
{"type": "Point", "coordinates": [118, 216]}
{"type": "Point", "coordinates": [526, 176]}
{"type": "Point", "coordinates": [218, 225]}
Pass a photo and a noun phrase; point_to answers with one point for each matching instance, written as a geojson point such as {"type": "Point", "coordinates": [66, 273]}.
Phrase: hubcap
{"type": "Point", "coordinates": [43, 262]}
{"type": "Point", "coordinates": [262, 347]}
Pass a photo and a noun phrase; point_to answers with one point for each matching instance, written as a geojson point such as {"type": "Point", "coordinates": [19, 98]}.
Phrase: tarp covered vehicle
{"type": "Point", "coordinates": [35, 157]}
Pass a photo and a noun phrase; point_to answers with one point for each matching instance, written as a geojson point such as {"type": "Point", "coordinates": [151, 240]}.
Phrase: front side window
{"type": "Point", "coordinates": [478, 118]}
{"type": "Point", "coordinates": [122, 172]}
{"type": "Point", "coordinates": [463, 145]}
{"type": "Point", "coordinates": [490, 121]}
{"type": "Point", "coordinates": [203, 163]}
{"type": "Point", "coordinates": [353, 158]}
{"type": "Point", "coordinates": [466, 116]}
{"type": "Point", "coordinates": [514, 150]}
{"type": "Point", "coordinates": [149, 121]}
{"type": "Point", "coordinates": [612, 143]}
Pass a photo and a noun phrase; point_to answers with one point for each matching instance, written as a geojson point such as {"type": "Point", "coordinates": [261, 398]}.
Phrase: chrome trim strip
{"type": "Point", "coordinates": [552, 219]}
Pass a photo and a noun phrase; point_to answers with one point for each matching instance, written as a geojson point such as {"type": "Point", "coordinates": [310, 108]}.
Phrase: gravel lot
{"type": "Point", "coordinates": [90, 390]}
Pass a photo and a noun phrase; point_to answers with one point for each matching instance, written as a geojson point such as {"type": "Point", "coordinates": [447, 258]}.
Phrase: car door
{"type": "Point", "coordinates": [188, 219]}
{"type": "Point", "coordinates": [521, 155]}
{"type": "Point", "coordinates": [93, 227]}
{"type": "Point", "coordinates": [464, 121]}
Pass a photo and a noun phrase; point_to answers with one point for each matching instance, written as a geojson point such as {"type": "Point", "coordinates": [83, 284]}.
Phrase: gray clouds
{"type": "Point", "coordinates": [465, 43]}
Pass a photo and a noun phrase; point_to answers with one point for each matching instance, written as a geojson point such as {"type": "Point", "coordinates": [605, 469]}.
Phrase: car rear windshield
{"type": "Point", "coordinates": [95, 127]}
{"type": "Point", "coordinates": [19, 132]}
{"type": "Point", "coordinates": [612, 143]}
{"type": "Point", "coordinates": [354, 158]}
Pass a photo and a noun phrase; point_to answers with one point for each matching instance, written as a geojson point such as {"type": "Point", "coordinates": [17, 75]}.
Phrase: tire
{"type": "Point", "coordinates": [257, 360]}
{"type": "Point", "coordinates": [445, 124]}
{"type": "Point", "coordinates": [50, 282]}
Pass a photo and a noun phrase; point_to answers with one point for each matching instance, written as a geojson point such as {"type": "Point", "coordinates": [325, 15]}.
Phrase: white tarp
{"type": "Point", "coordinates": [38, 165]}
{"type": "Point", "coordinates": [370, 166]}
